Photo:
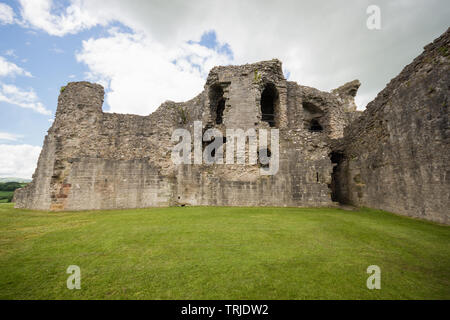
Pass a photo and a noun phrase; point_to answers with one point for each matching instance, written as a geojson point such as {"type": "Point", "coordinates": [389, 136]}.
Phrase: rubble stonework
{"type": "Point", "coordinates": [396, 156]}
{"type": "Point", "coordinates": [96, 160]}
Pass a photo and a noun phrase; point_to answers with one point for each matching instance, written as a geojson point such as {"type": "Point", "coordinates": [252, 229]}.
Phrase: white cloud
{"type": "Point", "coordinates": [9, 136]}
{"type": "Point", "coordinates": [141, 73]}
{"type": "Point", "coordinates": [22, 98]}
{"type": "Point", "coordinates": [18, 160]}
{"type": "Point", "coordinates": [43, 14]}
{"type": "Point", "coordinates": [8, 68]}
{"type": "Point", "coordinates": [6, 14]}
{"type": "Point", "coordinates": [322, 43]}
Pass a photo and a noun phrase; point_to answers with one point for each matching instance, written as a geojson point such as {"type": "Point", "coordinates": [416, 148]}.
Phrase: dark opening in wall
{"type": "Point", "coordinates": [217, 103]}
{"type": "Point", "coordinates": [312, 117]}
{"type": "Point", "coordinates": [219, 111]}
{"type": "Point", "coordinates": [337, 183]}
{"type": "Point", "coordinates": [269, 101]}
{"type": "Point", "coordinates": [315, 126]}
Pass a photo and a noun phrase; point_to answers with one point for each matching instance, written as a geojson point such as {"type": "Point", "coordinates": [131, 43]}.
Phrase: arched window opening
{"type": "Point", "coordinates": [217, 103]}
{"type": "Point", "coordinates": [315, 126]}
{"type": "Point", "coordinates": [269, 99]}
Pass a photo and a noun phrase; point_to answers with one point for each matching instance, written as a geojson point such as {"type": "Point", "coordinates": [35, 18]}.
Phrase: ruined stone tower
{"type": "Point", "coordinates": [97, 160]}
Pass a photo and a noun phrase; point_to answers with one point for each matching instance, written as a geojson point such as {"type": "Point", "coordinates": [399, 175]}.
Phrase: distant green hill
{"type": "Point", "coordinates": [7, 190]}
{"type": "Point", "coordinates": [21, 180]}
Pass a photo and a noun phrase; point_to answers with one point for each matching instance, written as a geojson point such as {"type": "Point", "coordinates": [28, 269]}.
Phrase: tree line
{"type": "Point", "coordinates": [7, 190]}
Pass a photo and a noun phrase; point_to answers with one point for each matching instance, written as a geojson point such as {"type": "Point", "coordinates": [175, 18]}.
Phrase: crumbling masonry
{"type": "Point", "coordinates": [393, 156]}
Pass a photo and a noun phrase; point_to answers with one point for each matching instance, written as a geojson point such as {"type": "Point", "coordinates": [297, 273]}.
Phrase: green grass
{"type": "Point", "coordinates": [221, 253]}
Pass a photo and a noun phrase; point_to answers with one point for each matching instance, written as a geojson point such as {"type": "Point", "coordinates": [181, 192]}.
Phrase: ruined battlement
{"type": "Point", "coordinates": [97, 160]}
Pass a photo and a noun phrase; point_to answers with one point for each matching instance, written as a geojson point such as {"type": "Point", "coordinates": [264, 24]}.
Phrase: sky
{"type": "Point", "coordinates": [145, 52]}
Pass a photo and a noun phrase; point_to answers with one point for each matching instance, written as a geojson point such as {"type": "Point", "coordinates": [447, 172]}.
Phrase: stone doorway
{"type": "Point", "coordinates": [337, 178]}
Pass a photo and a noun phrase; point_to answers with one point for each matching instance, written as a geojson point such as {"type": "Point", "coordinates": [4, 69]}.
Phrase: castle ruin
{"type": "Point", "coordinates": [393, 156]}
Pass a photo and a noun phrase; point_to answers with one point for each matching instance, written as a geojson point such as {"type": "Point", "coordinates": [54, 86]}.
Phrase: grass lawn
{"type": "Point", "coordinates": [221, 253]}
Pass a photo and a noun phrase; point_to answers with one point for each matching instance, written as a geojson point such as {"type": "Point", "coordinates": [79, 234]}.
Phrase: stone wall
{"type": "Point", "coordinates": [393, 156]}
{"type": "Point", "coordinates": [396, 156]}
{"type": "Point", "coordinates": [97, 160]}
